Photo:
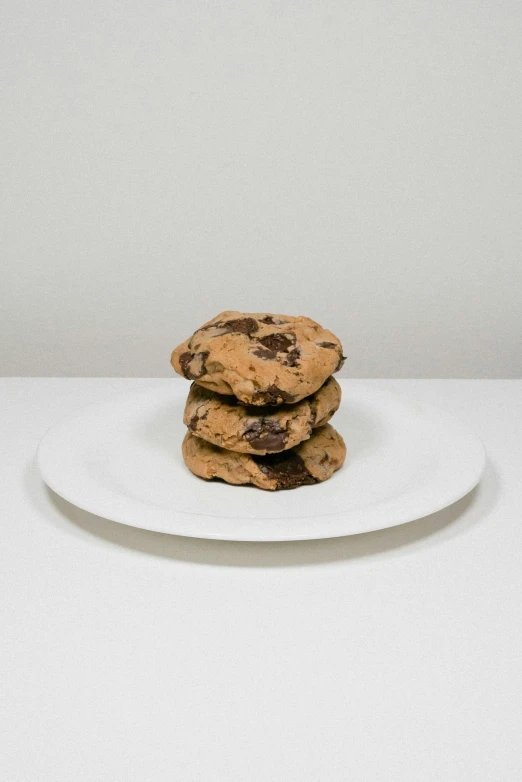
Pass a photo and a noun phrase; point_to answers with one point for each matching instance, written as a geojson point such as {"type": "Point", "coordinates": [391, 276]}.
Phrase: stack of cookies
{"type": "Point", "coordinates": [262, 395]}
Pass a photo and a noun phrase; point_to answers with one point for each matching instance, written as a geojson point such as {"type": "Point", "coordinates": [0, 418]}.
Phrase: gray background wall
{"type": "Point", "coordinates": [359, 162]}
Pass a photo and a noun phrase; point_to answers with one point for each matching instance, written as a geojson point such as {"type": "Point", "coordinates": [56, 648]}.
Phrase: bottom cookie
{"type": "Point", "coordinates": [312, 461]}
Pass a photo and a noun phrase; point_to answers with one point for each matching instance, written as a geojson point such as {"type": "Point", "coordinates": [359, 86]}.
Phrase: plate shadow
{"type": "Point", "coordinates": [405, 538]}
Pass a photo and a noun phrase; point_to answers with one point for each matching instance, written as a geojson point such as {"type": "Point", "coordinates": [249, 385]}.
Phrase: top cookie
{"type": "Point", "coordinates": [261, 359]}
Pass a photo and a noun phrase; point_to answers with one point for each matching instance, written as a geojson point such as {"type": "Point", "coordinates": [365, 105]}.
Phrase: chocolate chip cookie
{"type": "Point", "coordinates": [259, 430]}
{"type": "Point", "coordinates": [259, 358]}
{"type": "Point", "coordinates": [312, 461]}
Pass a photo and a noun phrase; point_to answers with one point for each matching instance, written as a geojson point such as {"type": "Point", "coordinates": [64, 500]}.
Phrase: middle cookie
{"type": "Point", "coordinates": [222, 421]}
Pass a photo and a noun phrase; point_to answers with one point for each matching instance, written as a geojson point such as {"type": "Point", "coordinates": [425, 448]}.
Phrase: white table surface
{"type": "Point", "coordinates": [130, 655]}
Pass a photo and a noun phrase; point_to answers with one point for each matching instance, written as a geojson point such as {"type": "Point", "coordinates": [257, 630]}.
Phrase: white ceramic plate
{"type": "Point", "coordinates": [121, 459]}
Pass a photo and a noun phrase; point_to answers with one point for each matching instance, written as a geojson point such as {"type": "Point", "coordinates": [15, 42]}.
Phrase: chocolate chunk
{"type": "Point", "coordinates": [264, 353]}
{"type": "Point", "coordinates": [193, 423]}
{"type": "Point", "coordinates": [292, 358]}
{"type": "Point", "coordinates": [272, 396]}
{"type": "Point", "coordinates": [287, 468]}
{"type": "Point", "coordinates": [240, 325]}
{"type": "Point", "coordinates": [269, 320]}
{"type": "Point", "coordinates": [341, 362]}
{"type": "Point", "coordinates": [325, 458]}
{"type": "Point", "coordinates": [267, 434]}
{"type": "Point", "coordinates": [184, 361]}
{"type": "Point", "coordinates": [280, 343]}
{"type": "Point", "coordinates": [199, 368]}
{"type": "Point", "coordinates": [330, 345]}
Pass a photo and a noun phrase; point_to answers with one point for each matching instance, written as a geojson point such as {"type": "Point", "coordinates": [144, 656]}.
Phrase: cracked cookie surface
{"type": "Point", "coordinates": [260, 358]}
{"type": "Point", "coordinates": [312, 461]}
{"type": "Point", "coordinates": [258, 430]}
